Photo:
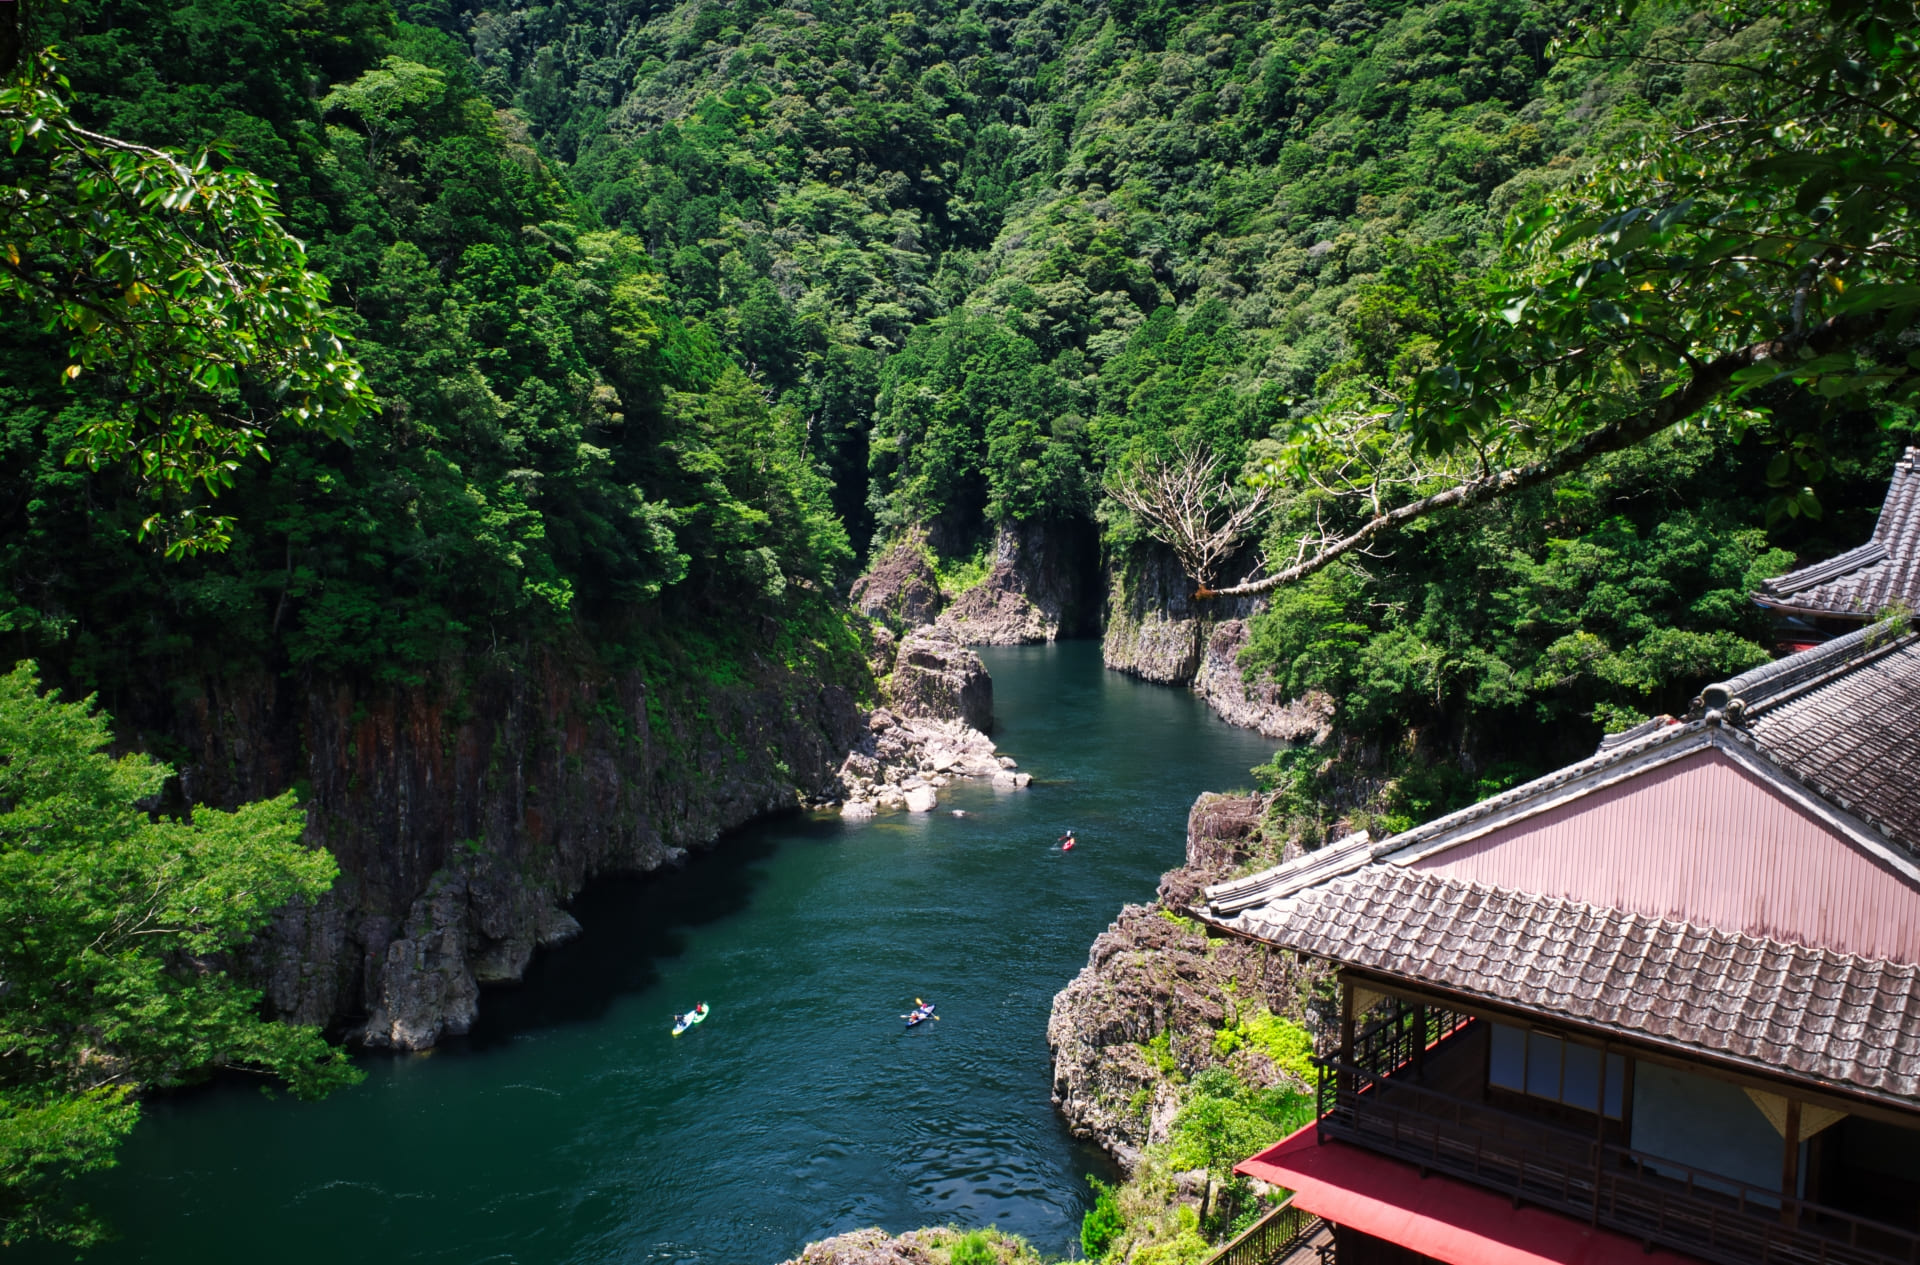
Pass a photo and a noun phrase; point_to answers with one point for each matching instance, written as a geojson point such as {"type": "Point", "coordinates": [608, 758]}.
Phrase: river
{"type": "Point", "coordinates": [571, 1127]}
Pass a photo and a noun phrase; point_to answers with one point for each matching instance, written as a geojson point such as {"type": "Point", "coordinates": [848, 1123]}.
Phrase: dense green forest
{"type": "Point", "coordinates": [690, 303]}
{"type": "Point", "coordinates": [996, 253]}
{"type": "Point", "coordinates": [663, 316]}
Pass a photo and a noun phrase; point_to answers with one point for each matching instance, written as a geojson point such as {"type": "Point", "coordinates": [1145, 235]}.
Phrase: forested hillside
{"type": "Point", "coordinates": [684, 305]}
{"type": "Point", "coordinates": [671, 311]}
{"type": "Point", "coordinates": [997, 254]}
{"type": "Point", "coordinates": [656, 320]}
{"type": "Point", "coordinates": [552, 442]}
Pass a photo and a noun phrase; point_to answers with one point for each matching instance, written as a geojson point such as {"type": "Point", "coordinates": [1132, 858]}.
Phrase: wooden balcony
{"type": "Point", "coordinates": [1657, 1201]}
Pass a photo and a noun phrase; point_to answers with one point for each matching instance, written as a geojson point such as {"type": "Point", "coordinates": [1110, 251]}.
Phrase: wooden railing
{"type": "Point", "coordinates": [1654, 1200]}
{"type": "Point", "coordinates": [1400, 1037]}
{"type": "Point", "coordinates": [1271, 1239]}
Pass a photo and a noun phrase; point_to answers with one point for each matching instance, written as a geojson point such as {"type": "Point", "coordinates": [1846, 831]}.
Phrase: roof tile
{"type": "Point", "coordinates": [1834, 1017]}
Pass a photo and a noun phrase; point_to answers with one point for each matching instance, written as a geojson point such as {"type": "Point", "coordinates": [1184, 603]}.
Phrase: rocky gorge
{"type": "Point", "coordinates": [1050, 581]}
{"type": "Point", "coordinates": [465, 809]}
{"type": "Point", "coordinates": [939, 703]}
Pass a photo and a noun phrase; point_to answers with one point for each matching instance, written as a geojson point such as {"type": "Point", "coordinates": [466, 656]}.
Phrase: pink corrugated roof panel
{"type": "Point", "coordinates": [1706, 841]}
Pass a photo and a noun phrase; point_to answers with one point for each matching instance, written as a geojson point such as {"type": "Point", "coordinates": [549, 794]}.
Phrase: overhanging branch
{"type": "Point", "coordinates": [1712, 381]}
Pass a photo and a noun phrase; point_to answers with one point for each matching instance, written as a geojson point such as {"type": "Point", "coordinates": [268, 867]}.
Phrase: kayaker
{"type": "Point", "coordinates": [1066, 841]}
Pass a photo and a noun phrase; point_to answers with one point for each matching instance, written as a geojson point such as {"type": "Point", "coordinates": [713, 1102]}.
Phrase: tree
{"type": "Point", "coordinates": [1186, 503]}
{"type": "Point", "coordinates": [174, 277]}
{"type": "Point", "coordinates": [112, 929]}
{"type": "Point", "coordinates": [1702, 270]}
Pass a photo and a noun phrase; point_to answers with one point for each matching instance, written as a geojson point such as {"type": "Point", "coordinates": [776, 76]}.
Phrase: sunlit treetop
{"type": "Point", "coordinates": [173, 278]}
{"type": "Point", "coordinates": [1696, 275]}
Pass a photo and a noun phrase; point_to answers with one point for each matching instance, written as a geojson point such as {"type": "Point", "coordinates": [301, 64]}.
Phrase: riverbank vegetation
{"type": "Point", "coordinates": [635, 324]}
{"type": "Point", "coordinates": [115, 928]}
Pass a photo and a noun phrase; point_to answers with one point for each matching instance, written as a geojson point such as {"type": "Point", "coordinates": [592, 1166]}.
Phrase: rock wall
{"type": "Point", "coordinates": [1043, 584]}
{"type": "Point", "coordinates": [900, 589]}
{"type": "Point", "coordinates": [1260, 706]}
{"type": "Point", "coordinates": [464, 809]}
{"type": "Point", "coordinates": [1154, 628]}
{"type": "Point", "coordinates": [1154, 974]}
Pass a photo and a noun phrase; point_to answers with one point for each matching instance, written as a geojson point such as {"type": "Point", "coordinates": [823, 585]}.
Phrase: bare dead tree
{"type": "Point", "coordinates": [1189, 505]}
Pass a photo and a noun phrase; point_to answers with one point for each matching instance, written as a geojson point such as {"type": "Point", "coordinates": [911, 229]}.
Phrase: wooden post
{"type": "Point", "coordinates": [1419, 1040]}
{"type": "Point", "coordinates": [1345, 1082]}
{"type": "Point", "coordinates": [1790, 1161]}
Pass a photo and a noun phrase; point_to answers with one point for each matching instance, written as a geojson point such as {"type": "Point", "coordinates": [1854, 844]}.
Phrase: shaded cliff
{"type": "Point", "coordinates": [1155, 630]}
{"type": "Point", "coordinates": [1042, 584]}
{"type": "Point", "coordinates": [466, 808]}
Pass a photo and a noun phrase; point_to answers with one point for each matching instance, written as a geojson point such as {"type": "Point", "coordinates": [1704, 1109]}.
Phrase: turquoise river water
{"type": "Point", "coordinates": [571, 1127]}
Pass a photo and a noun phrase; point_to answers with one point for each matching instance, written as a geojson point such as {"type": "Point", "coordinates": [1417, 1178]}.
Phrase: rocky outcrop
{"type": "Point", "coordinates": [940, 700]}
{"type": "Point", "coordinates": [1155, 629]}
{"type": "Point", "coordinates": [464, 809]}
{"type": "Point", "coordinates": [916, 1247]}
{"type": "Point", "coordinates": [937, 679]}
{"type": "Point", "coordinates": [902, 763]}
{"type": "Point", "coordinates": [1156, 994]}
{"type": "Point", "coordinates": [1260, 706]}
{"type": "Point", "coordinates": [900, 589]}
{"type": "Point", "coordinates": [1042, 586]}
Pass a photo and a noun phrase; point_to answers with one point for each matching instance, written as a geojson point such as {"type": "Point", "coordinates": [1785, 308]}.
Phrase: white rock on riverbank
{"type": "Point", "coordinates": [903, 763]}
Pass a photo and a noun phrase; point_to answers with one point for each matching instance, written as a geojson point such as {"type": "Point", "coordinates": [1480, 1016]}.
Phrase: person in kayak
{"type": "Point", "coordinates": [1066, 841]}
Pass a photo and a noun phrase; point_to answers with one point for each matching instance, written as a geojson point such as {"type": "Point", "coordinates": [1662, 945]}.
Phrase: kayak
{"type": "Point", "coordinates": [682, 1022]}
{"type": "Point", "coordinates": [921, 1013]}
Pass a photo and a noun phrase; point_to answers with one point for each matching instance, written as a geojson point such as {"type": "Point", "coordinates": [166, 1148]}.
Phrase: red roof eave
{"type": "Point", "coordinates": [1439, 1217]}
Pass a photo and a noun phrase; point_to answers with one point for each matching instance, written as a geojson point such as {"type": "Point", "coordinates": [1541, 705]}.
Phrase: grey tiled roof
{"type": "Point", "coordinates": [1862, 582]}
{"type": "Point", "coordinates": [1854, 738]}
{"type": "Point", "coordinates": [1831, 1017]}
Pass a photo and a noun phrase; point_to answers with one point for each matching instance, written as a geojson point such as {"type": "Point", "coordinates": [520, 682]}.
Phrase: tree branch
{"type": "Point", "coordinates": [1706, 386]}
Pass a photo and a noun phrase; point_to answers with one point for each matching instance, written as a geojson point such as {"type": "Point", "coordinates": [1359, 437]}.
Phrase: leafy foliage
{"type": "Point", "coordinates": [1103, 1222]}
{"type": "Point", "coordinates": [1224, 1121]}
{"type": "Point", "coordinates": [1784, 213]}
{"type": "Point", "coordinates": [552, 438]}
{"type": "Point", "coordinates": [113, 923]}
{"type": "Point", "coordinates": [177, 279]}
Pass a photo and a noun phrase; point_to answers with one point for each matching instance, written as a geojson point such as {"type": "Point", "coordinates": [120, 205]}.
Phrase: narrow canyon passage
{"type": "Point", "coordinates": [572, 1127]}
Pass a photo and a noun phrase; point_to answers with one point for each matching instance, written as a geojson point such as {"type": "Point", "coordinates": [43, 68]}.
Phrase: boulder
{"type": "Point", "coordinates": [936, 679]}
{"type": "Point", "coordinates": [921, 799]}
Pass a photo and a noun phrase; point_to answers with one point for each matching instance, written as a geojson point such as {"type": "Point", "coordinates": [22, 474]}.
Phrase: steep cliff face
{"type": "Point", "coordinates": [1154, 629]}
{"type": "Point", "coordinates": [465, 809]}
{"type": "Point", "coordinates": [900, 589]}
{"type": "Point", "coordinates": [1148, 1009]}
{"type": "Point", "coordinates": [1044, 584]}
{"type": "Point", "coordinates": [1259, 706]}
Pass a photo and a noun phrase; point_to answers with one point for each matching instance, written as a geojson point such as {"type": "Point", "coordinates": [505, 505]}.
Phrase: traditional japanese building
{"type": "Point", "coordinates": [1661, 1005]}
{"type": "Point", "coordinates": [1855, 587]}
